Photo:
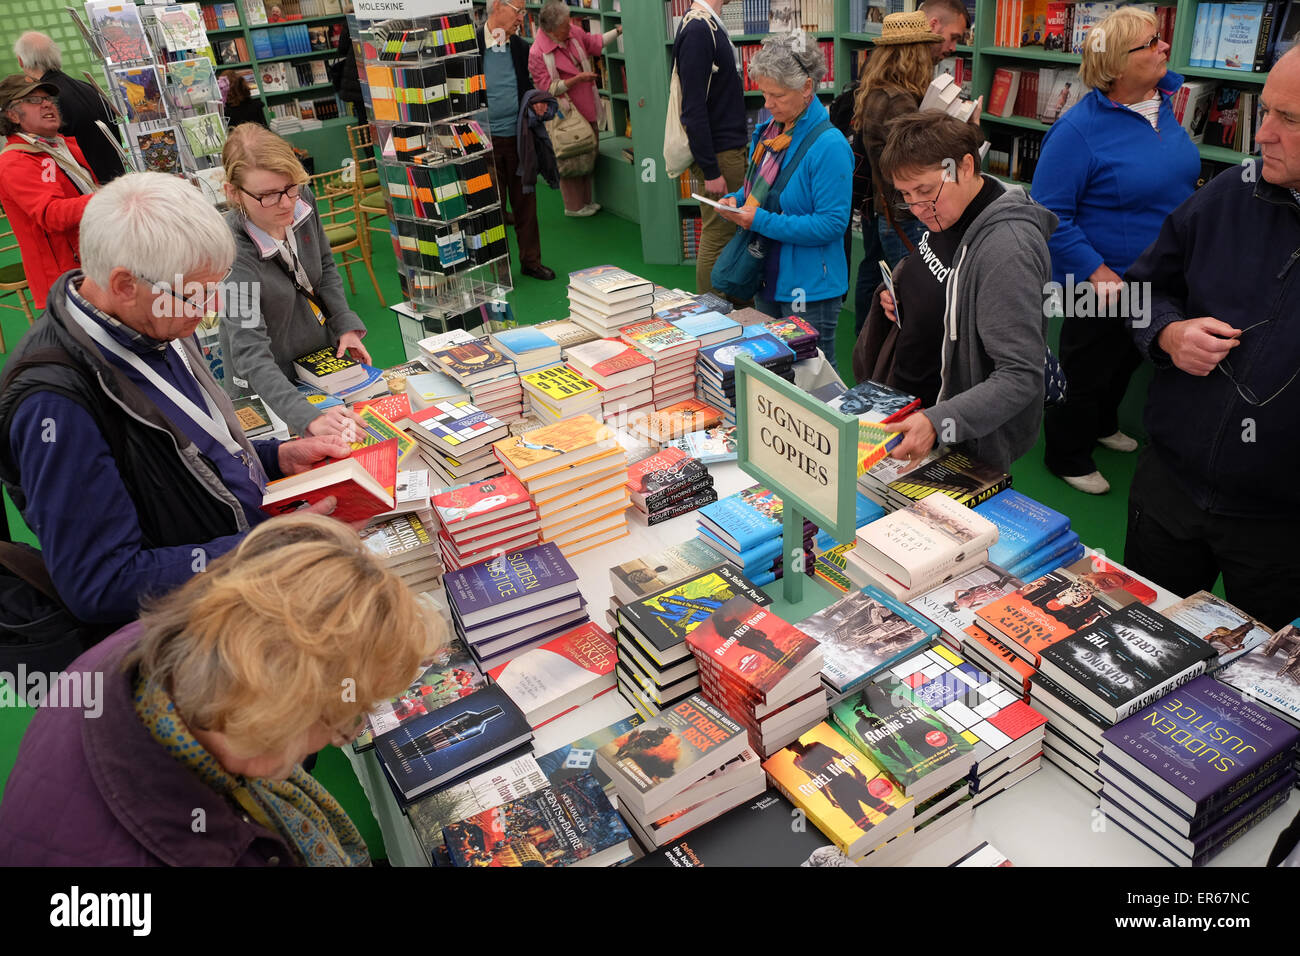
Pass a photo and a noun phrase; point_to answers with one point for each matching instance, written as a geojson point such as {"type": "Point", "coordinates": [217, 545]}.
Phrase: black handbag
{"type": "Point", "coordinates": [738, 273]}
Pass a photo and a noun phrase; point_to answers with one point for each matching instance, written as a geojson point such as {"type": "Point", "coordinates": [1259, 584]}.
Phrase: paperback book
{"type": "Point", "coordinates": [863, 633]}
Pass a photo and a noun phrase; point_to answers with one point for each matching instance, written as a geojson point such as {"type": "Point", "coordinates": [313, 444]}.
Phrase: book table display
{"type": "Point", "coordinates": [1045, 820]}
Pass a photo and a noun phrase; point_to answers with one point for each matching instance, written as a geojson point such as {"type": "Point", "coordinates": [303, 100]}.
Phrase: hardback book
{"type": "Point", "coordinates": [744, 519]}
{"type": "Point", "coordinates": [762, 657]}
{"type": "Point", "coordinates": [1123, 662]}
{"type": "Point", "coordinates": [561, 387]}
{"type": "Point", "coordinates": [426, 752]}
{"type": "Point", "coordinates": [471, 362]}
{"type": "Point", "coordinates": [696, 499]}
{"type": "Point", "coordinates": [863, 633]}
{"type": "Point", "coordinates": [569, 824]}
{"type": "Point", "coordinates": [610, 284]}
{"type": "Point", "coordinates": [711, 328]}
{"type": "Point", "coordinates": [481, 503]}
{"type": "Point", "coordinates": [910, 742]}
{"type": "Point", "coordinates": [1062, 550]}
{"type": "Point", "coordinates": [955, 475]}
{"type": "Point", "coordinates": [661, 622]}
{"type": "Point", "coordinates": [1231, 632]}
{"type": "Point", "coordinates": [399, 540]}
{"type": "Point", "coordinates": [450, 675]}
{"type": "Point", "coordinates": [765, 349]}
{"type": "Point", "coordinates": [546, 450]}
{"type": "Point", "coordinates": [656, 480]}
{"type": "Point", "coordinates": [376, 428]}
{"type": "Point", "coordinates": [795, 332]}
{"type": "Point", "coordinates": [563, 673]}
{"type": "Point", "coordinates": [500, 784]}
{"type": "Point", "coordinates": [1268, 679]}
{"type": "Point", "coordinates": [755, 834]}
{"type": "Point", "coordinates": [952, 605]}
{"type": "Point", "coordinates": [656, 761]}
{"type": "Point", "coordinates": [645, 575]}
{"type": "Point", "coordinates": [454, 429]}
{"type": "Point", "coordinates": [430, 388]}
{"type": "Point", "coordinates": [579, 756]}
{"type": "Point", "coordinates": [842, 790]}
{"type": "Point", "coordinates": [712, 445]}
{"type": "Point", "coordinates": [660, 340]}
{"type": "Point", "coordinates": [528, 347]}
{"type": "Point", "coordinates": [1198, 746]}
{"type": "Point", "coordinates": [566, 333]}
{"type": "Point", "coordinates": [324, 370]}
{"type": "Point", "coordinates": [732, 784]}
{"type": "Point", "coordinates": [512, 582]}
{"type": "Point", "coordinates": [609, 363]}
{"type": "Point", "coordinates": [363, 485]}
{"type": "Point", "coordinates": [1024, 526]}
{"type": "Point", "coordinates": [916, 544]}
{"type": "Point", "coordinates": [874, 402]}
{"type": "Point", "coordinates": [675, 420]}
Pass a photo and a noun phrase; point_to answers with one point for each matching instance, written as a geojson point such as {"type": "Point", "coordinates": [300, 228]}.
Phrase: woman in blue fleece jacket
{"type": "Point", "coordinates": [807, 272]}
{"type": "Point", "coordinates": [1111, 168]}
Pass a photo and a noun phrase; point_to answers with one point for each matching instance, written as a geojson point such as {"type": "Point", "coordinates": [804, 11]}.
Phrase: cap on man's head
{"type": "Point", "coordinates": [17, 86]}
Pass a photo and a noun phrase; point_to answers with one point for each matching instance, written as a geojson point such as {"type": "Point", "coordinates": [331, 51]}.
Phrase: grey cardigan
{"type": "Point", "coordinates": [269, 323]}
{"type": "Point", "coordinates": [995, 332]}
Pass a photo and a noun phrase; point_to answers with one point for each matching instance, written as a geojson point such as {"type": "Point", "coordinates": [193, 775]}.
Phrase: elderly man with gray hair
{"type": "Point", "coordinates": [79, 103]}
{"type": "Point", "coordinates": [119, 448]}
{"type": "Point", "coordinates": [807, 272]}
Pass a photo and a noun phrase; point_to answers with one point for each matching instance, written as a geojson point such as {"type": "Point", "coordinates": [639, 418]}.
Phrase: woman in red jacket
{"type": "Point", "coordinates": [45, 182]}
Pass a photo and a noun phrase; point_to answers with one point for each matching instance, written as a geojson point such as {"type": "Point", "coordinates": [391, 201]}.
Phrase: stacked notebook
{"type": "Point", "coordinates": [575, 472]}
{"type": "Point", "coordinates": [605, 299]}
{"type": "Point", "coordinates": [620, 371]}
{"type": "Point", "coordinates": [715, 371]}
{"type": "Point", "coordinates": [1032, 538]}
{"type": "Point", "coordinates": [683, 767]}
{"type": "Point", "coordinates": [519, 600]}
{"type": "Point", "coordinates": [408, 547]}
{"type": "Point", "coordinates": [558, 392]}
{"type": "Point", "coordinates": [745, 527]}
{"type": "Point", "coordinates": [668, 484]}
{"type": "Point", "coordinates": [673, 353]}
{"type": "Point", "coordinates": [454, 441]}
{"type": "Point", "coordinates": [763, 672]}
{"type": "Point", "coordinates": [482, 519]}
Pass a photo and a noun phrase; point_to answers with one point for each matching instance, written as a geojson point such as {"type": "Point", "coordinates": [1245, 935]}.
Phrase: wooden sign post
{"type": "Point", "coordinates": [803, 451]}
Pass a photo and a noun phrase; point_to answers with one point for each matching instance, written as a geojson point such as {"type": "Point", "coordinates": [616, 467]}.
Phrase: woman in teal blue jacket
{"type": "Point", "coordinates": [807, 273]}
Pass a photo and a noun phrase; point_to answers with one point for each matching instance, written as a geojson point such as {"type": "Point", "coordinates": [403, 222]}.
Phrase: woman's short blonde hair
{"type": "Point", "coordinates": [1106, 46]}
{"type": "Point", "coordinates": [299, 624]}
{"type": "Point", "coordinates": [253, 146]}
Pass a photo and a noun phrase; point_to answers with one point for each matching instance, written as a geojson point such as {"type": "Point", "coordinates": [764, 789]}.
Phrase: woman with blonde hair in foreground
{"type": "Point", "coordinates": [186, 745]}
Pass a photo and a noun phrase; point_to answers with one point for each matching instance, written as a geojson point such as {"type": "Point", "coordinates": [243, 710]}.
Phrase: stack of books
{"type": "Point", "coordinates": [575, 471]}
{"type": "Point", "coordinates": [1032, 538]}
{"type": "Point", "coordinates": [605, 299]}
{"type": "Point", "coordinates": [431, 387]}
{"type": "Point", "coordinates": [1261, 678]}
{"type": "Point", "coordinates": [485, 518]}
{"type": "Point", "coordinates": [873, 402]}
{"type": "Point", "coordinates": [795, 332]}
{"type": "Point", "coordinates": [765, 673]}
{"type": "Point", "coordinates": [650, 573]}
{"type": "Point", "coordinates": [711, 328]}
{"type": "Point", "coordinates": [919, 547]}
{"type": "Point", "coordinates": [566, 672]}
{"type": "Point", "coordinates": [677, 421]}
{"type": "Point", "coordinates": [257, 419]}
{"type": "Point", "coordinates": [684, 766]}
{"type": "Point", "coordinates": [668, 484]}
{"type": "Point", "coordinates": [407, 547]}
{"type": "Point", "coordinates": [1189, 773]}
{"type": "Point", "coordinates": [710, 445]}
{"type": "Point", "coordinates": [673, 353]}
{"type": "Point", "coordinates": [326, 372]}
{"type": "Point", "coordinates": [452, 742]}
{"type": "Point", "coordinates": [841, 790]}
{"type": "Point", "coordinates": [861, 635]}
{"type": "Point", "coordinates": [565, 333]}
{"type": "Point", "coordinates": [622, 374]}
{"type": "Point", "coordinates": [655, 664]}
{"type": "Point", "coordinates": [1230, 631]}
{"type": "Point", "coordinates": [528, 347]}
{"type": "Point", "coordinates": [875, 481]}
{"type": "Point", "coordinates": [954, 474]}
{"type": "Point", "coordinates": [502, 607]}
{"type": "Point", "coordinates": [745, 528]}
{"type": "Point", "coordinates": [952, 605]}
{"type": "Point", "coordinates": [715, 372]}
{"type": "Point", "coordinates": [491, 378]}
{"type": "Point", "coordinates": [454, 441]}
{"type": "Point", "coordinates": [558, 392]}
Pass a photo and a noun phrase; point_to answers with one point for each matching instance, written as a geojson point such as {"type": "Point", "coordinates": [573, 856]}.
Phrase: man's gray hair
{"type": "Point", "coordinates": [789, 59]}
{"type": "Point", "coordinates": [37, 52]}
{"type": "Point", "coordinates": [156, 226]}
{"type": "Point", "coordinates": [553, 15]}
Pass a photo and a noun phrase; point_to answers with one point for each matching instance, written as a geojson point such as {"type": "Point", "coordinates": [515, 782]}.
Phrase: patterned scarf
{"type": "Point", "coordinates": [765, 164]}
{"type": "Point", "coordinates": [299, 809]}
{"type": "Point", "coordinates": [57, 149]}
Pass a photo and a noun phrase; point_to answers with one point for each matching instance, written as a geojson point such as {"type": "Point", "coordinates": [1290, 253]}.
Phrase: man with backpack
{"type": "Point", "coordinates": [713, 116]}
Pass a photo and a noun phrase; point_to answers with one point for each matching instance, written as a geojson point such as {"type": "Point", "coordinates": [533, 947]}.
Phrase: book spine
{"type": "Point", "coordinates": [1246, 824]}
{"type": "Point", "coordinates": [1155, 693]}
{"type": "Point", "coordinates": [1265, 32]}
{"type": "Point", "coordinates": [1216, 801]}
{"type": "Point", "coordinates": [746, 695]}
{"type": "Point", "coordinates": [685, 507]}
{"type": "Point", "coordinates": [672, 494]}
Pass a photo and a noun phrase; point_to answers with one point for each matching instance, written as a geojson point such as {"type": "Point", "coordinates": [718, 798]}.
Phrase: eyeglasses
{"type": "Point", "coordinates": [211, 301]}
{"type": "Point", "coordinates": [37, 101]}
{"type": "Point", "coordinates": [268, 200]}
{"type": "Point", "coordinates": [1149, 45]}
{"type": "Point", "coordinates": [932, 203]}
{"type": "Point", "coordinates": [1247, 393]}
{"type": "Point", "coordinates": [518, 10]}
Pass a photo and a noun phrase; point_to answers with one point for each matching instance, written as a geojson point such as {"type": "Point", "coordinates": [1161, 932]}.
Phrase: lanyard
{"type": "Point", "coordinates": [210, 421]}
{"type": "Point", "coordinates": [295, 264]}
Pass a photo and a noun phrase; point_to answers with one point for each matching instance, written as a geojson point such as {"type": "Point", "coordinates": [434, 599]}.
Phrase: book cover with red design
{"type": "Point", "coordinates": [1036, 616]}
{"type": "Point", "coordinates": [363, 484]}
{"type": "Point", "coordinates": [392, 407]}
{"type": "Point", "coordinates": [676, 420]}
{"type": "Point", "coordinates": [995, 654]}
{"type": "Point", "coordinates": [607, 357]}
{"type": "Point", "coordinates": [480, 502]}
{"type": "Point", "coordinates": [754, 649]}
{"type": "Point", "coordinates": [551, 680]}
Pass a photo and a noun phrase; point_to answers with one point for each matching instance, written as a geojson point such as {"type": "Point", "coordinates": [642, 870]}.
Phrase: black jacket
{"type": "Point", "coordinates": [249, 111]}
{"type": "Point", "coordinates": [518, 55]}
{"type": "Point", "coordinates": [81, 104]}
{"type": "Point", "coordinates": [1229, 251]}
{"type": "Point", "coordinates": [714, 122]}
{"type": "Point", "coordinates": [344, 73]}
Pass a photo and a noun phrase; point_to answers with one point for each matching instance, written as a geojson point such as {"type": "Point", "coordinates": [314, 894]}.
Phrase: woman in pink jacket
{"type": "Point", "coordinates": [574, 75]}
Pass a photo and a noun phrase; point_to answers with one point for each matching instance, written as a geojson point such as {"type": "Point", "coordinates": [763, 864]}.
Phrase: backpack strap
{"type": "Point", "coordinates": [26, 563]}
{"type": "Point", "coordinates": [787, 169]}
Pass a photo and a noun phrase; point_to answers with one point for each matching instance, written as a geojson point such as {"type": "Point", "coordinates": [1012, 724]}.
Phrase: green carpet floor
{"type": "Point", "coordinates": [569, 244]}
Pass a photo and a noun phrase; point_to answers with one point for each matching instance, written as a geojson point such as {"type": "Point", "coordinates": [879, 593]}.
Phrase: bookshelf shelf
{"type": "Point", "coordinates": [1024, 122]}
{"type": "Point", "coordinates": [296, 56]}
{"type": "Point", "coordinates": [1221, 154]}
{"type": "Point", "coordinates": [232, 66]}
{"type": "Point", "coordinates": [1033, 53]}
{"type": "Point", "coordinates": [222, 31]}
{"type": "Point", "coordinates": [299, 90]}
{"type": "Point", "coordinates": [1228, 76]}
{"type": "Point", "coordinates": [860, 37]}
{"type": "Point", "coordinates": [287, 23]}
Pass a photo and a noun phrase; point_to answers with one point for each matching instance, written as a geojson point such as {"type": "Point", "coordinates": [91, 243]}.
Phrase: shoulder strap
{"type": "Point", "coordinates": [27, 564]}
{"type": "Point", "coordinates": [787, 169]}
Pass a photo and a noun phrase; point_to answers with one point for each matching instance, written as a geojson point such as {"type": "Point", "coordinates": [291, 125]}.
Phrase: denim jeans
{"type": "Point", "coordinates": [823, 316]}
{"type": "Point", "coordinates": [880, 242]}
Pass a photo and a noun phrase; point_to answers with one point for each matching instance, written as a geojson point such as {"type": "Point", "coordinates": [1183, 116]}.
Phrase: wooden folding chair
{"type": "Point", "coordinates": [336, 204]}
{"type": "Point", "coordinates": [370, 190]}
{"type": "Point", "coordinates": [13, 281]}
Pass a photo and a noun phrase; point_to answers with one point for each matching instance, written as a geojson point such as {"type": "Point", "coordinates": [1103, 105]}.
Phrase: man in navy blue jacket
{"type": "Point", "coordinates": [1217, 491]}
{"type": "Point", "coordinates": [713, 115]}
